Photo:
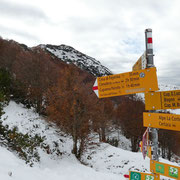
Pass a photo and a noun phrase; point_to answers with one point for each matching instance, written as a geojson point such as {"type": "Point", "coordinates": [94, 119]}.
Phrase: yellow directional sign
{"type": "Point", "coordinates": [143, 176]}
{"type": "Point", "coordinates": [127, 83]}
{"type": "Point", "coordinates": [162, 100]}
{"type": "Point", "coordinates": [162, 121]}
{"type": "Point", "coordinates": [141, 63]}
{"type": "Point", "coordinates": [165, 169]}
{"type": "Point", "coordinates": [149, 154]}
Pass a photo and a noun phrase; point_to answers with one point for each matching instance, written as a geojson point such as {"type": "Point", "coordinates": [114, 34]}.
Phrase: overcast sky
{"type": "Point", "coordinates": [112, 31]}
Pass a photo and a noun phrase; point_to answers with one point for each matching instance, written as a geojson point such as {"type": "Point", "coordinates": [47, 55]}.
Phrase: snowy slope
{"type": "Point", "coordinates": [66, 169]}
{"type": "Point", "coordinates": [107, 158]}
{"type": "Point", "coordinates": [30, 122]}
{"type": "Point", "coordinates": [165, 87]}
{"type": "Point", "coordinates": [103, 161]}
{"type": "Point", "coordinates": [54, 167]}
{"type": "Point", "coordinates": [71, 55]}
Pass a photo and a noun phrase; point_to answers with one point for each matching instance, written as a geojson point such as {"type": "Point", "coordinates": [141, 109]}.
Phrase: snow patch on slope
{"type": "Point", "coordinates": [30, 122]}
{"type": "Point", "coordinates": [70, 55]}
{"type": "Point", "coordinates": [104, 161]}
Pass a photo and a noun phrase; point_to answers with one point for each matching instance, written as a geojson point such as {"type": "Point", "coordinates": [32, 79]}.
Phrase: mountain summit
{"type": "Point", "coordinates": [70, 55]}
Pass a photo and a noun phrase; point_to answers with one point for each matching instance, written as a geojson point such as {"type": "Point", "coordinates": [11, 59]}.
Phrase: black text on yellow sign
{"type": "Point", "coordinates": [162, 121]}
{"type": "Point", "coordinates": [141, 63]}
{"type": "Point", "coordinates": [127, 83]}
{"type": "Point", "coordinates": [162, 100]}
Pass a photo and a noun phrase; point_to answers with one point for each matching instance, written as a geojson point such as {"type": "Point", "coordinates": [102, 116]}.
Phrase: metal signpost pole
{"type": "Point", "coordinates": [150, 63]}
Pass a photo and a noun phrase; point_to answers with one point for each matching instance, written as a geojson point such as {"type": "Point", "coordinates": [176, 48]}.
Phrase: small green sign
{"type": "Point", "coordinates": [160, 168]}
{"type": "Point", "coordinates": [135, 176]}
{"type": "Point", "coordinates": [149, 177]}
{"type": "Point", "coordinates": [173, 172]}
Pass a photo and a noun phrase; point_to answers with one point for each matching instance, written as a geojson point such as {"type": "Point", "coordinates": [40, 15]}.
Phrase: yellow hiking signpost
{"type": "Point", "coordinates": [141, 63]}
{"type": "Point", "coordinates": [165, 169]}
{"type": "Point", "coordinates": [126, 83]}
{"type": "Point", "coordinates": [143, 176]}
{"type": "Point", "coordinates": [162, 121]}
{"type": "Point", "coordinates": [143, 78]}
{"type": "Point", "coordinates": [162, 100]}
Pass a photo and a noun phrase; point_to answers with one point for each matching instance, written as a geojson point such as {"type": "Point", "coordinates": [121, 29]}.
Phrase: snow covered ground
{"type": "Point", "coordinates": [103, 161]}
{"type": "Point", "coordinates": [66, 169]}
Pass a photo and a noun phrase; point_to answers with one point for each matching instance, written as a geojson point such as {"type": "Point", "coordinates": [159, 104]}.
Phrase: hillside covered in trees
{"type": "Point", "coordinates": [61, 91]}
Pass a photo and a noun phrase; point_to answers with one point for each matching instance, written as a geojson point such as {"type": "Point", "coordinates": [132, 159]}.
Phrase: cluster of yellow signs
{"type": "Point", "coordinates": [156, 101]}
{"type": "Point", "coordinates": [157, 169]}
{"type": "Point", "coordinates": [145, 80]}
{"type": "Point", "coordinates": [162, 100]}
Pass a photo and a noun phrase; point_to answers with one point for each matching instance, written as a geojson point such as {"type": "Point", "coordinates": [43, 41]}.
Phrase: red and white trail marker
{"type": "Point", "coordinates": [149, 40]}
{"type": "Point", "coordinates": [95, 88]}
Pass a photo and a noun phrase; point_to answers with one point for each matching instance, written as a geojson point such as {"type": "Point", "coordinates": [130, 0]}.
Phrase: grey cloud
{"type": "Point", "coordinates": [84, 25]}
{"type": "Point", "coordinates": [169, 80]}
{"type": "Point", "coordinates": [15, 10]}
{"type": "Point", "coordinates": [170, 72]}
{"type": "Point", "coordinates": [8, 31]}
{"type": "Point", "coordinates": [119, 64]}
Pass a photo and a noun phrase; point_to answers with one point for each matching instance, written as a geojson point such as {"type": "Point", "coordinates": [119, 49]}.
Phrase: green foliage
{"type": "Point", "coordinates": [24, 145]}
{"type": "Point", "coordinates": [5, 82]}
{"type": "Point", "coordinates": [12, 88]}
{"type": "Point", "coordinates": [1, 103]}
{"type": "Point", "coordinates": [113, 141]}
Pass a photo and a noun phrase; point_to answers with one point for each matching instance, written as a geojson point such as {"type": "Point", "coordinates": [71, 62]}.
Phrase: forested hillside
{"type": "Point", "coordinates": [62, 93]}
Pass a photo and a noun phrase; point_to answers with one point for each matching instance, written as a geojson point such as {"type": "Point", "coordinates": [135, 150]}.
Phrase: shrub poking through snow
{"type": "Point", "coordinates": [25, 145]}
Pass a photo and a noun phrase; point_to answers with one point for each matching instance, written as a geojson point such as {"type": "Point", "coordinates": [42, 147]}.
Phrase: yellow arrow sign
{"type": "Point", "coordinates": [165, 169]}
{"type": "Point", "coordinates": [127, 83]}
{"type": "Point", "coordinates": [141, 63]}
{"type": "Point", "coordinates": [149, 154]}
{"type": "Point", "coordinates": [162, 121]}
{"type": "Point", "coordinates": [143, 176]}
{"type": "Point", "coordinates": [162, 100]}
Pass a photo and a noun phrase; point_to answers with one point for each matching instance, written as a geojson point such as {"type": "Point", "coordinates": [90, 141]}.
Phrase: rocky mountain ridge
{"type": "Point", "coordinates": [70, 55]}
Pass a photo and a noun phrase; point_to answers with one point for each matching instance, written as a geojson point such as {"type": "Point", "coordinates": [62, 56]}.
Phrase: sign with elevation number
{"type": "Point", "coordinates": [162, 100]}
{"type": "Point", "coordinates": [141, 63]}
{"type": "Point", "coordinates": [126, 83]}
{"type": "Point", "coordinates": [162, 121]}
{"type": "Point", "coordinates": [165, 169]}
{"type": "Point", "coordinates": [143, 176]}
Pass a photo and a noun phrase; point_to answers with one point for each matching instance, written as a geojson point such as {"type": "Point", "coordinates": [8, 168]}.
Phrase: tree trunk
{"type": "Point", "coordinates": [99, 133]}
{"type": "Point", "coordinates": [169, 153]}
{"type": "Point", "coordinates": [134, 144]}
{"type": "Point", "coordinates": [163, 151]}
{"type": "Point", "coordinates": [81, 148]}
{"type": "Point", "coordinates": [74, 150]}
{"type": "Point", "coordinates": [103, 135]}
{"type": "Point", "coordinates": [75, 137]}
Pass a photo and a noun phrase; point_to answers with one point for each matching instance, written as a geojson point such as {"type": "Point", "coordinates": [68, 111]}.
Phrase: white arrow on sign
{"type": "Point", "coordinates": [95, 88]}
